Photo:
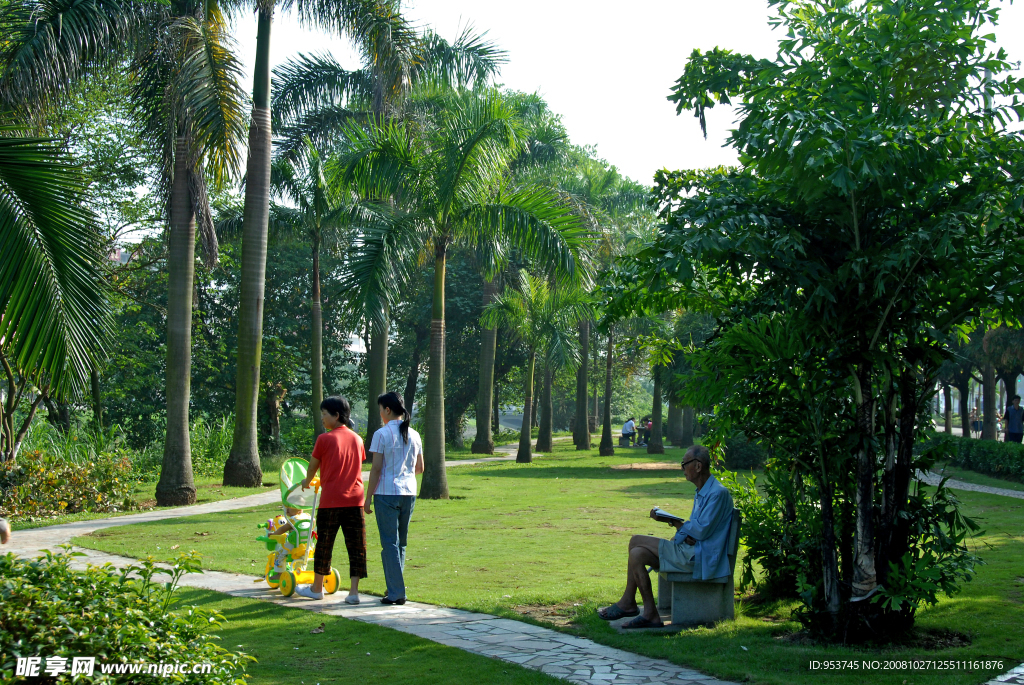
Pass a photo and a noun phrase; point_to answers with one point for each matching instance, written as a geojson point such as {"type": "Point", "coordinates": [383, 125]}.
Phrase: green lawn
{"type": "Point", "coordinates": [346, 652]}
{"type": "Point", "coordinates": [975, 478]}
{"type": "Point", "coordinates": [548, 540]}
{"type": "Point", "coordinates": [207, 490]}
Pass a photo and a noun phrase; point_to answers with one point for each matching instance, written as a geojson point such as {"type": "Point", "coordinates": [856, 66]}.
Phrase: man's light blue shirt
{"type": "Point", "coordinates": [709, 526]}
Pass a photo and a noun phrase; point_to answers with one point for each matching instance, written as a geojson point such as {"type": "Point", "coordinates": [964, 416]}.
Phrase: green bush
{"type": "Point", "coordinates": [742, 453]}
{"type": "Point", "coordinates": [211, 445]}
{"type": "Point", "coordinates": [49, 610]}
{"type": "Point", "coordinates": [1000, 459]}
{"type": "Point", "coordinates": [44, 485]}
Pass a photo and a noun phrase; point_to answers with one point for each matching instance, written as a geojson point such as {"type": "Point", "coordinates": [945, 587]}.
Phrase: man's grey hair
{"type": "Point", "coordinates": [701, 454]}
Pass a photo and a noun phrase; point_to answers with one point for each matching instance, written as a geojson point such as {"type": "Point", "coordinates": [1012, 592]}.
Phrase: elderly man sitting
{"type": "Point", "coordinates": [699, 545]}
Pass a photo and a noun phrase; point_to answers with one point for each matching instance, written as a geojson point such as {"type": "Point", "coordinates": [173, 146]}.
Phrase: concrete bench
{"type": "Point", "coordinates": [701, 602]}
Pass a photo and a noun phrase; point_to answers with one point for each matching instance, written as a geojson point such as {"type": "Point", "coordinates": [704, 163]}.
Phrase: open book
{"type": "Point", "coordinates": [665, 517]}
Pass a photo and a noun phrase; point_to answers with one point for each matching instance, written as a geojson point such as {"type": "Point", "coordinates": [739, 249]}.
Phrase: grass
{"type": "Point", "coordinates": [547, 540]}
{"type": "Point", "coordinates": [346, 652]}
{"type": "Point", "coordinates": [975, 478]}
{"type": "Point", "coordinates": [207, 490]}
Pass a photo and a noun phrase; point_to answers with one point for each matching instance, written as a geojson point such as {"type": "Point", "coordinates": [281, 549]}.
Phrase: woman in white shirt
{"type": "Point", "coordinates": [397, 456]}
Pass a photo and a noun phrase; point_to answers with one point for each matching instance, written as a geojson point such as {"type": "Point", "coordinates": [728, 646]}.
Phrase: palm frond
{"type": "Point", "coordinates": [50, 44]}
{"type": "Point", "coordinates": [381, 161]}
{"type": "Point", "coordinates": [534, 220]}
{"type": "Point", "coordinates": [382, 257]}
{"type": "Point", "coordinates": [469, 61]}
{"type": "Point", "coordinates": [53, 307]}
{"type": "Point", "coordinates": [307, 84]}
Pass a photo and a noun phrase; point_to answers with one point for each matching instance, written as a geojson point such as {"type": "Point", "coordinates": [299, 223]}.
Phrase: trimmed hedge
{"type": "Point", "coordinates": [1000, 459]}
{"type": "Point", "coordinates": [48, 609]}
{"type": "Point", "coordinates": [742, 453]}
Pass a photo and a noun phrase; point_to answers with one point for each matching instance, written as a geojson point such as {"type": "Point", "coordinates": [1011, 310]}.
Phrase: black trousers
{"type": "Point", "coordinates": [353, 528]}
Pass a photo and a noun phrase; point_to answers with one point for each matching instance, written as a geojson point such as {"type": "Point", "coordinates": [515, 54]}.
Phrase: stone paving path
{"type": "Point", "coordinates": [563, 656]}
{"type": "Point", "coordinates": [933, 478]}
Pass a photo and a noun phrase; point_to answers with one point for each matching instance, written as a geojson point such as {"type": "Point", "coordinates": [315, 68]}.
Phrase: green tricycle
{"type": "Point", "coordinates": [291, 535]}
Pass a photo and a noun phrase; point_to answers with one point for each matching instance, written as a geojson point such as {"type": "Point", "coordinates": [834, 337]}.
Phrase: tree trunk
{"type": "Point", "coordinates": [97, 399]}
{"type": "Point", "coordinates": [965, 409]}
{"type": "Point", "coordinates": [829, 560]}
{"type": "Point", "coordinates": [377, 368]}
{"type": "Point", "coordinates": [272, 409]}
{"type": "Point", "coordinates": [581, 434]}
{"type": "Point", "coordinates": [316, 366]}
{"type": "Point", "coordinates": [435, 481]}
{"type": "Point", "coordinates": [412, 380]}
{"type": "Point", "coordinates": [243, 465]}
{"type": "Point", "coordinates": [686, 437]}
{"type": "Point", "coordinates": [595, 417]}
{"type": "Point", "coordinates": [497, 410]}
{"type": "Point", "coordinates": [988, 394]}
{"type": "Point", "coordinates": [483, 443]}
{"type": "Point", "coordinates": [675, 423]}
{"type": "Point", "coordinates": [545, 441]}
{"type": "Point", "coordinates": [947, 398]}
{"type": "Point", "coordinates": [176, 486]}
{"type": "Point", "coordinates": [655, 445]}
{"type": "Point", "coordinates": [864, 576]}
{"type": "Point", "coordinates": [607, 447]}
{"type": "Point", "coordinates": [523, 456]}
{"type": "Point", "coordinates": [58, 414]}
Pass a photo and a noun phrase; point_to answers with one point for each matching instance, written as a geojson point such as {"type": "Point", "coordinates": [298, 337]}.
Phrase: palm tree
{"type": "Point", "coordinates": [54, 314]}
{"type": "Point", "coordinates": [317, 96]}
{"type": "Point", "coordinates": [191, 108]}
{"type": "Point", "coordinates": [608, 200]}
{"type": "Point", "coordinates": [543, 318]}
{"type": "Point", "coordinates": [453, 180]}
{"type": "Point", "coordinates": [319, 212]}
{"type": "Point", "coordinates": [356, 18]}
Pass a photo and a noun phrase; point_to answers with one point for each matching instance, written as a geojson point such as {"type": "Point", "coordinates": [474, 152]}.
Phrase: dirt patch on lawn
{"type": "Point", "coordinates": [561, 615]}
{"type": "Point", "coordinates": [648, 466]}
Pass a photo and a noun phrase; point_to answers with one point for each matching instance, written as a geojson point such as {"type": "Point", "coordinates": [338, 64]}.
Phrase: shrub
{"type": "Point", "coordinates": [45, 485]}
{"type": "Point", "coordinates": [743, 453]}
{"type": "Point", "coordinates": [211, 445]}
{"type": "Point", "coordinates": [1001, 459]}
{"type": "Point", "coordinates": [48, 609]}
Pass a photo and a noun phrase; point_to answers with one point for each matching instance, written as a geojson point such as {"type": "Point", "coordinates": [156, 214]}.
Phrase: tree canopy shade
{"type": "Point", "coordinates": [452, 186]}
{"type": "Point", "coordinates": [872, 220]}
{"type": "Point", "coordinates": [53, 304]}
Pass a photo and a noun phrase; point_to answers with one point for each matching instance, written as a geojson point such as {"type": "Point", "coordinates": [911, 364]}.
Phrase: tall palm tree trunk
{"type": "Point", "coordinates": [545, 440]}
{"type": "Point", "coordinates": [523, 456]}
{"type": "Point", "coordinates": [688, 427]}
{"type": "Point", "coordinates": [597, 358]}
{"type": "Point", "coordinates": [377, 381]}
{"type": "Point", "coordinates": [316, 365]}
{"type": "Point", "coordinates": [435, 480]}
{"type": "Point", "coordinates": [176, 486]}
{"type": "Point", "coordinates": [607, 448]}
{"type": "Point", "coordinates": [675, 423]}
{"type": "Point", "coordinates": [483, 443]}
{"type": "Point", "coordinates": [581, 434]}
{"type": "Point", "coordinates": [655, 445]}
{"type": "Point", "coordinates": [988, 401]}
{"type": "Point", "coordinates": [947, 397]}
{"type": "Point", "coordinates": [243, 465]}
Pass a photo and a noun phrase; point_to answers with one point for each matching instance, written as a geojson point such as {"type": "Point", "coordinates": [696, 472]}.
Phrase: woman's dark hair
{"type": "Point", "coordinates": [394, 402]}
{"type": "Point", "coordinates": [339, 406]}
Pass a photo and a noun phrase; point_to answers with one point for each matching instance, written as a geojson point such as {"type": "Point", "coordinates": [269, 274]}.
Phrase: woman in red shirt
{"type": "Point", "coordinates": [338, 454]}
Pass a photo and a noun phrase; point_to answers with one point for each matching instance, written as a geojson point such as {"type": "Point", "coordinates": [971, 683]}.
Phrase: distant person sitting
{"type": "Point", "coordinates": [629, 431]}
{"type": "Point", "coordinates": [1014, 418]}
{"type": "Point", "coordinates": [699, 545]}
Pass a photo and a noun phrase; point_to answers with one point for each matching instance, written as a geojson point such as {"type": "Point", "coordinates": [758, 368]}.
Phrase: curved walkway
{"type": "Point", "coordinates": [932, 478]}
{"type": "Point", "coordinates": [563, 656]}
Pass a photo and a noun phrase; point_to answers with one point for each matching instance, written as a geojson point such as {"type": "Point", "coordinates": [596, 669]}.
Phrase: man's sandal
{"type": "Point", "coordinates": [614, 613]}
{"type": "Point", "coordinates": [641, 622]}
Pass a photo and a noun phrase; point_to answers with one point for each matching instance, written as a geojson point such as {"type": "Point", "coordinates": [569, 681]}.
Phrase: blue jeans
{"type": "Point", "coordinates": [393, 513]}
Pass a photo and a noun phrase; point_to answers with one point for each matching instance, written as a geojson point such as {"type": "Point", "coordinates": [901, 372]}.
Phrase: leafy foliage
{"type": "Point", "coordinates": [1000, 459]}
{"type": "Point", "coordinates": [116, 615]}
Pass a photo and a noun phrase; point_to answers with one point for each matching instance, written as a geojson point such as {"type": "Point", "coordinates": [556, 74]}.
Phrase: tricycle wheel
{"type": "Point", "coordinates": [332, 582]}
{"type": "Point", "coordinates": [288, 583]}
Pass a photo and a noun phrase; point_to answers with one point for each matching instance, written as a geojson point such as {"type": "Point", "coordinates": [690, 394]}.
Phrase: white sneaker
{"type": "Point", "coordinates": [307, 591]}
{"type": "Point", "coordinates": [352, 599]}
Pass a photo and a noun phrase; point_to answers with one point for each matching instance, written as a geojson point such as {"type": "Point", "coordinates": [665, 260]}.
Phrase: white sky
{"type": "Point", "coordinates": [605, 67]}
